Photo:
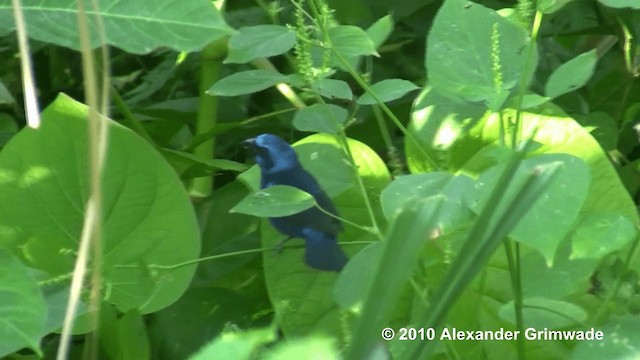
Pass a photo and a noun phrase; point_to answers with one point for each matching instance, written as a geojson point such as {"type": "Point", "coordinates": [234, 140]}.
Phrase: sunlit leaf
{"type": "Point", "coordinates": [332, 89]}
{"type": "Point", "coordinates": [275, 201]}
{"type": "Point", "coordinates": [459, 57]}
{"type": "Point", "coordinates": [351, 41]}
{"type": "Point", "coordinates": [387, 90]}
{"type": "Point", "coordinates": [246, 82]}
{"type": "Point", "coordinates": [571, 75]}
{"type": "Point", "coordinates": [327, 118]}
{"type": "Point", "coordinates": [260, 41]}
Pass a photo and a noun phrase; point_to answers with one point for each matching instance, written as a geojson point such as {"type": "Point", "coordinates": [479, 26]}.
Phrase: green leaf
{"type": "Point", "coordinates": [453, 213]}
{"type": "Point", "coordinates": [380, 30]}
{"type": "Point", "coordinates": [496, 220]}
{"type": "Point", "coordinates": [259, 41]}
{"type": "Point", "coordinates": [123, 336]}
{"type": "Point", "coordinates": [189, 166]}
{"type": "Point", "coordinates": [134, 26]}
{"type": "Point", "coordinates": [603, 127]}
{"type": "Point", "coordinates": [350, 290]}
{"type": "Point", "coordinates": [459, 57]}
{"type": "Point", "coordinates": [556, 132]}
{"type": "Point", "coordinates": [351, 41]}
{"type": "Point", "coordinates": [406, 188]}
{"type": "Point", "coordinates": [571, 75]}
{"type": "Point", "coordinates": [246, 82]}
{"type": "Point", "coordinates": [387, 90]}
{"type": "Point", "coordinates": [551, 6]}
{"type": "Point", "coordinates": [327, 118]}
{"type": "Point", "coordinates": [224, 232]}
{"type": "Point", "coordinates": [5, 96]}
{"type": "Point", "coordinates": [541, 313]}
{"type": "Point", "coordinates": [600, 234]}
{"type": "Point", "coordinates": [550, 219]}
{"type": "Point", "coordinates": [302, 296]}
{"type": "Point", "coordinates": [236, 345]}
{"type": "Point", "coordinates": [312, 347]}
{"type": "Point", "coordinates": [565, 277]}
{"type": "Point", "coordinates": [332, 89]}
{"type": "Point", "coordinates": [533, 100]}
{"type": "Point", "coordinates": [23, 311]}
{"type": "Point", "coordinates": [275, 201]}
{"type": "Point", "coordinates": [44, 173]}
{"type": "Point", "coordinates": [621, 340]}
{"type": "Point", "coordinates": [439, 124]}
{"type": "Point", "coordinates": [202, 314]}
{"type": "Point", "coordinates": [633, 4]}
{"type": "Point", "coordinates": [57, 296]}
{"type": "Point", "coordinates": [8, 128]}
{"type": "Point", "coordinates": [397, 259]}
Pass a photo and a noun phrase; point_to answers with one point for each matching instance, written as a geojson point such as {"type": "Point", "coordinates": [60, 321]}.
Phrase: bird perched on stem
{"type": "Point", "coordinates": [279, 165]}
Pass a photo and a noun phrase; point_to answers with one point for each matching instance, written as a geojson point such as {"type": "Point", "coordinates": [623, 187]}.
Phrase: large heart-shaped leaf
{"type": "Point", "coordinates": [148, 218]}
{"type": "Point", "coordinates": [460, 61]}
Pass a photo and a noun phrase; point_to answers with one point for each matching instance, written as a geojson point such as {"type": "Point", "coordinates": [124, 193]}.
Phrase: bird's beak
{"type": "Point", "coordinates": [249, 143]}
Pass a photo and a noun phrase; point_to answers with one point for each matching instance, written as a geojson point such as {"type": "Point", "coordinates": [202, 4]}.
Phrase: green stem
{"type": "Point", "coordinates": [501, 129]}
{"type": "Point", "coordinates": [382, 125]}
{"type": "Point", "coordinates": [210, 64]}
{"type": "Point", "coordinates": [364, 228]}
{"type": "Point", "coordinates": [516, 288]}
{"type": "Point", "coordinates": [341, 136]}
{"type": "Point", "coordinates": [522, 86]}
{"type": "Point", "coordinates": [344, 142]}
{"type": "Point", "coordinates": [224, 127]}
{"type": "Point", "coordinates": [283, 88]}
{"type": "Point", "coordinates": [128, 119]}
{"type": "Point", "coordinates": [225, 255]}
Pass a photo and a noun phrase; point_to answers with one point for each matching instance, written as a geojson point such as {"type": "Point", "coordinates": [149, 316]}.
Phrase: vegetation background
{"type": "Point", "coordinates": [483, 156]}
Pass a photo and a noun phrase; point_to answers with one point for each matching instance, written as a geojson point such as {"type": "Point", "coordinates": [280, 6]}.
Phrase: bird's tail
{"type": "Point", "coordinates": [322, 251]}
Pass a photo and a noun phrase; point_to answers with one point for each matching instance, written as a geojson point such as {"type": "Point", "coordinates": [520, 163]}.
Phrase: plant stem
{"type": "Point", "coordinates": [516, 288]}
{"type": "Point", "coordinates": [128, 118]}
{"type": "Point", "coordinates": [225, 255]}
{"type": "Point", "coordinates": [283, 88]}
{"type": "Point", "coordinates": [221, 128]}
{"type": "Point", "coordinates": [210, 64]}
{"type": "Point", "coordinates": [26, 66]}
{"type": "Point", "coordinates": [341, 136]}
{"type": "Point", "coordinates": [382, 125]}
{"type": "Point", "coordinates": [522, 86]}
{"type": "Point", "coordinates": [363, 228]}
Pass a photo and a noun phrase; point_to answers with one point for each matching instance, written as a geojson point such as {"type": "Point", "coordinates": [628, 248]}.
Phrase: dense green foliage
{"type": "Point", "coordinates": [483, 156]}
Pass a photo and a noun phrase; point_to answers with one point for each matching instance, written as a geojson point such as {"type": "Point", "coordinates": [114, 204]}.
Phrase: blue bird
{"type": "Point", "coordinates": [279, 165]}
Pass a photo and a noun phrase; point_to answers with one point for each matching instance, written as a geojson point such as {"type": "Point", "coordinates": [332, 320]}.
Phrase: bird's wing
{"type": "Point", "coordinates": [303, 180]}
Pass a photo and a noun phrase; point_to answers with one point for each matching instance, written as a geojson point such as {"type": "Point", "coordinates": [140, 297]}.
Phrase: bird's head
{"type": "Point", "coordinates": [272, 153]}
